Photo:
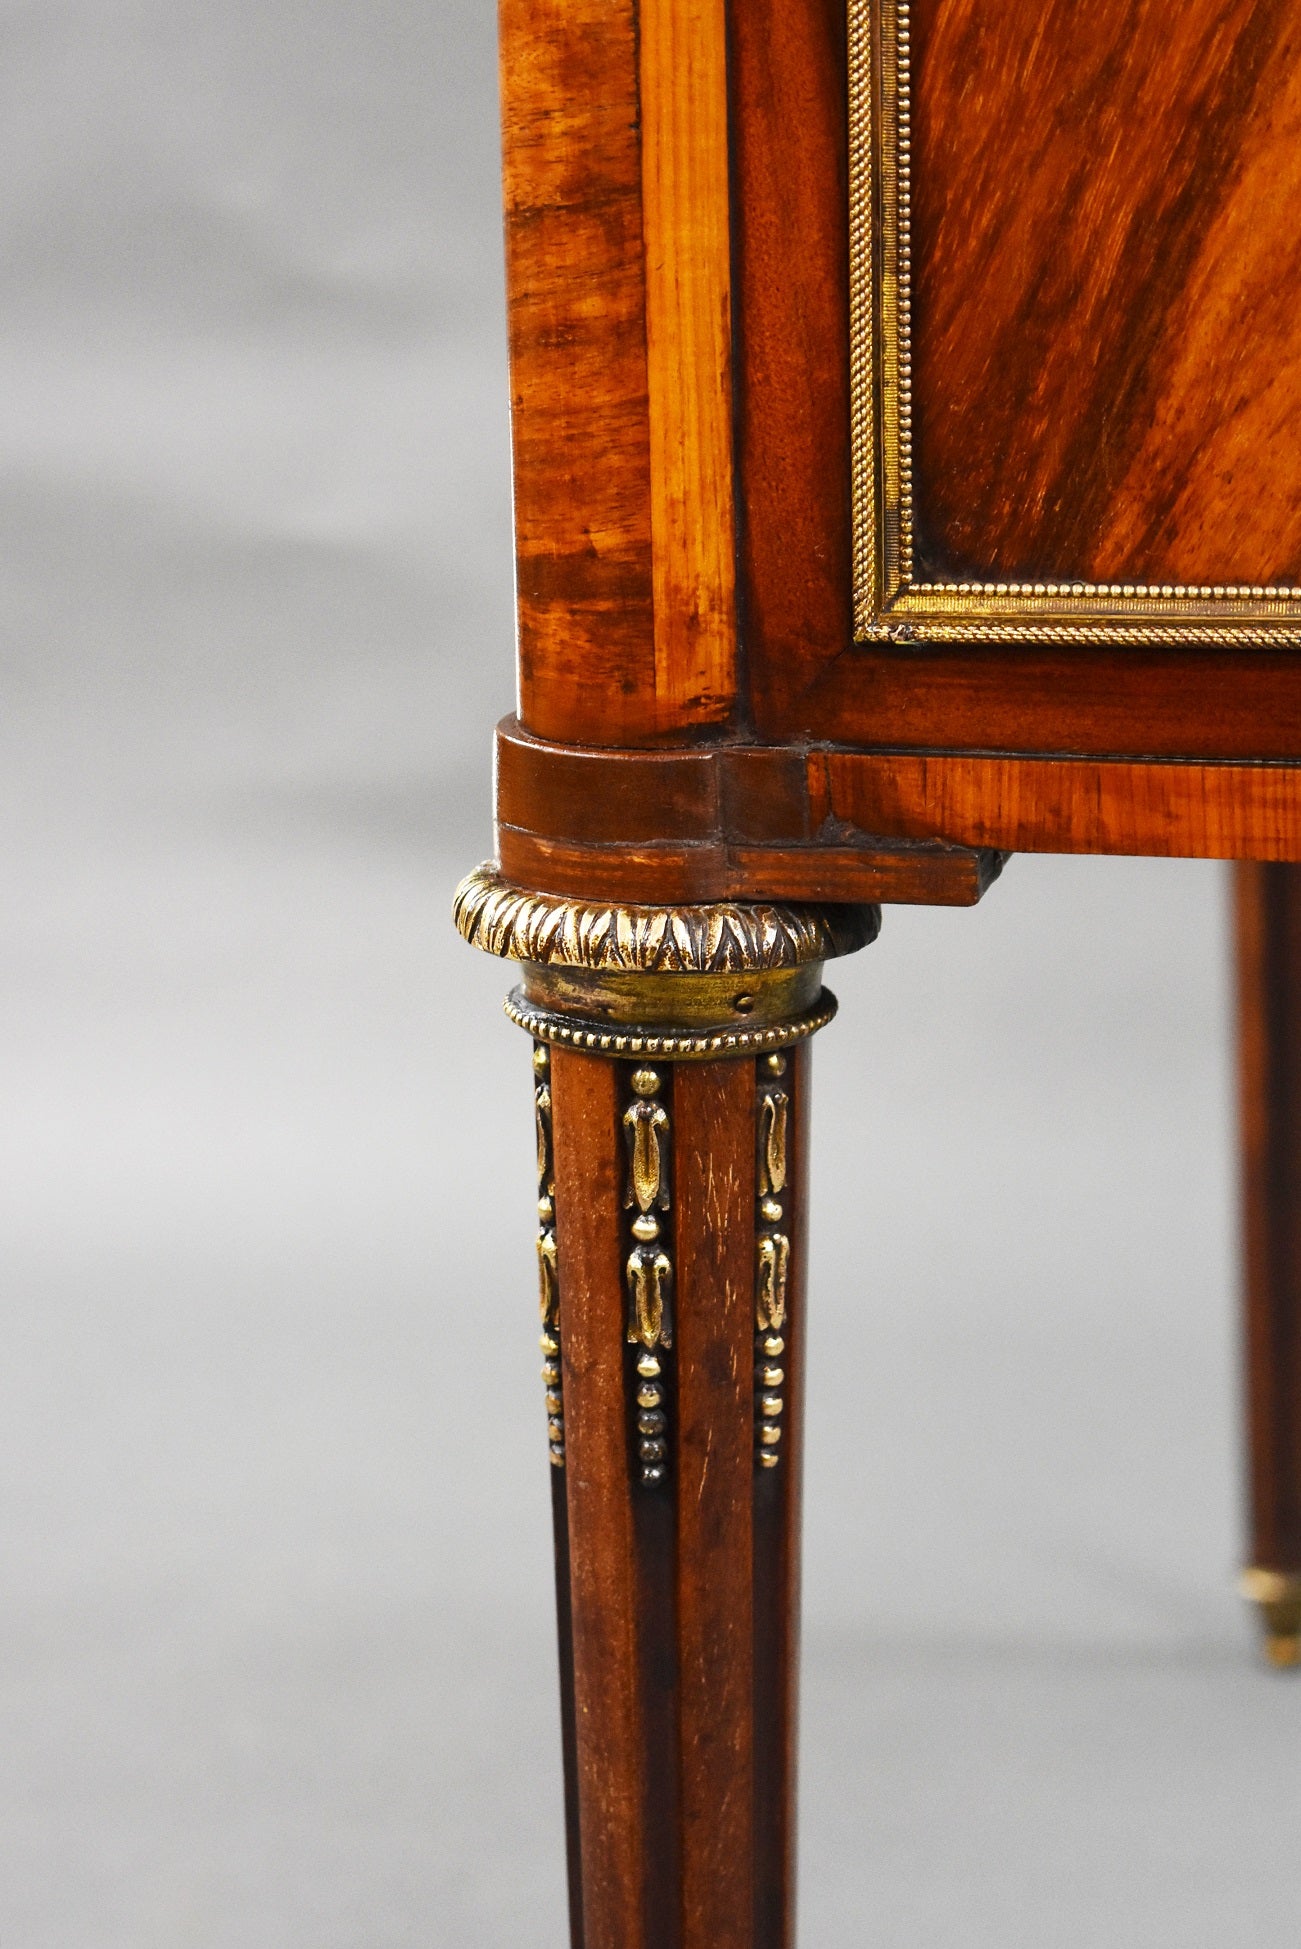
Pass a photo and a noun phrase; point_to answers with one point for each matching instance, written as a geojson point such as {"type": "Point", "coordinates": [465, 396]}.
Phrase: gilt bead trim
{"type": "Point", "coordinates": [599, 1039]}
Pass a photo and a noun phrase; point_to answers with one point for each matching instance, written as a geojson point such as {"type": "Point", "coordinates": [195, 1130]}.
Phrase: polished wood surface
{"type": "Point", "coordinates": [1073, 805]}
{"type": "Point", "coordinates": [714, 823]}
{"type": "Point", "coordinates": [679, 1602]}
{"type": "Point", "coordinates": [618, 281]}
{"type": "Point", "coordinates": [1268, 913]}
{"type": "Point", "coordinates": [686, 220]}
{"type": "Point", "coordinates": [1106, 334]}
{"type": "Point", "coordinates": [1106, 384]}
{"type": "Point", "coordinates": [714, 1130]}
{"type": "Point", "coordinates": [906, 873]}
{"type": "Point", "coordinates": [614, 205]}
{"type": "Point", "coordinates": [790, 89]}
{"type": "Point", "coordinates": [633, 338]}
{"type": "Point", "coordinates": [616, 1745]}
{"type": "Point", "coordinates": [824, 823]}
{"type": "Point", "coordinates": [568, 1719]}
{"type": "Point", "coordinates": [576, 292]}
{"type": "Point", "coordinates": [1089, 700]}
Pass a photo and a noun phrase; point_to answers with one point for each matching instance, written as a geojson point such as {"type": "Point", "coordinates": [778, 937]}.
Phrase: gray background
{"type": "Point", "coordinates": [276, 1662]}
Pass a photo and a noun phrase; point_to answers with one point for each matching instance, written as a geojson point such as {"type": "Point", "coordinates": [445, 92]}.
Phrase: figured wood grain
{"type": "Point", "coordinates": [1106, 329]}
{"type": "Point", "coordinates": [580, 419]}
{"type": "Point", "coordinates": [615, 139]}
{"type": "Point", "coordinates": [714, 1116]}
{"type": "Point", "coordinates": [791, 221]}
{"type": "Point", "coordinates": [878, 822]}
{"type": "Point", "coordinates": [686, 229]}
{"type": "Point", "coordinates": [1089, 700]}
{"type": "Point", "coordinates": [1268, 935]}
{"type": "Point", "coordinates": [1073, 805]}
{"type": "Point", "coordinates": [611, 1733]}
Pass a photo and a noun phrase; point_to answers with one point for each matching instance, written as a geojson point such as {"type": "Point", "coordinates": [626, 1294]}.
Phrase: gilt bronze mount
{"type": "Point", "coordinates": [682, 983]}
{"type": "Point", "coordinates": [1277, 1597]}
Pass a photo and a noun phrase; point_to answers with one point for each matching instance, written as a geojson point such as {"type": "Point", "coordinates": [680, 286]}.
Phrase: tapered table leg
{"type": "Point", "coordinates": [672, 1080]}
{"type": "Point", "coordinates": [1268, 902]}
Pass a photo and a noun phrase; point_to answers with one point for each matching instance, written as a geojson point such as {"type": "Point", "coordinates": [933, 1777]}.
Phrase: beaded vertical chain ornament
{"type": "Point", "coordinates": [649, 1269]}
{"type": "Point", "coordinates": [548, 1266]}
{"type": "Point", "coordinates": [774, 1252]}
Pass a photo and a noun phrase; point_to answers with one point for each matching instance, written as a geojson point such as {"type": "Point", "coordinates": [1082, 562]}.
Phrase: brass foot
{"type": "Point", "coordinates": [1277, 1596]}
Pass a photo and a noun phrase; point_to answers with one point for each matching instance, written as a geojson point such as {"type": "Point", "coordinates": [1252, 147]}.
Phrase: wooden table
{"type": "Point", "coordinates": [908, 473]}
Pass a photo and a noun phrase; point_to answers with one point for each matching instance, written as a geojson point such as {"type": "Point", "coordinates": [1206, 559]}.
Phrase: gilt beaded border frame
{"type": "Point", "coordinates": [666, 1045]}
{"type": "Point", "coordinates": [889, 604]}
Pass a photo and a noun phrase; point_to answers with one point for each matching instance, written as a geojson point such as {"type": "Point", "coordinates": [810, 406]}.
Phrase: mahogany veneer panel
{"type": "Point", "coordinates": [789, 78]}
{"type": "Point", "coordinates": [1073, 805]}
{"type": "Point", "coordinates": [819, 823]}
{"type": "Point", "coordinates": [1089, 700]}
{"type": "Point", "coordinates": [1106, 328]}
